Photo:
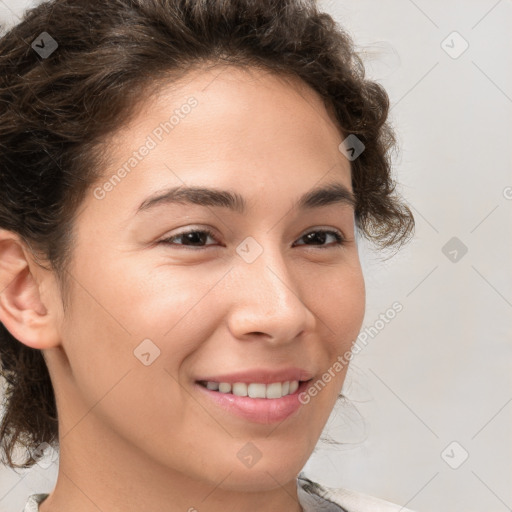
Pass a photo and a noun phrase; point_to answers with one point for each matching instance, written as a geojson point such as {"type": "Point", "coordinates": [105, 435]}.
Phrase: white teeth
{"type": "Point", "coordinates": [239, 389]}
{"type": "Point", "coordinates": [274, 390]}
{"type": "Point", "coordinates": [255, 389]}
{"type": "Point", "coordinates": [224, 387]}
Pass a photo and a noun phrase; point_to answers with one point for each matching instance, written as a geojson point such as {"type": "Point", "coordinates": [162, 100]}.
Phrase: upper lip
{"type": "Point", "coordinates": [263, 376]}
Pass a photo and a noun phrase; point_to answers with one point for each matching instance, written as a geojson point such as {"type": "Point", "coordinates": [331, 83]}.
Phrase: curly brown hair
{"type": "Point", "coordinates": [56, 110]}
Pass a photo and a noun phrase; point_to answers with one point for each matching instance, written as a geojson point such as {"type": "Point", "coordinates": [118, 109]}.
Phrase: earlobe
{"type": "Point", "coordinates": [22, 311]}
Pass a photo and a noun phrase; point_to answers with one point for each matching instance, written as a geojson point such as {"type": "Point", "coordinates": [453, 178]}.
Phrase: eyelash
{"type": "Point", "coordinates": [340, 240]}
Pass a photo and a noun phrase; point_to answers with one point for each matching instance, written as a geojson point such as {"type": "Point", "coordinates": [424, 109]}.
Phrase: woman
{"type": "Point", "coordinates": [183, 184]}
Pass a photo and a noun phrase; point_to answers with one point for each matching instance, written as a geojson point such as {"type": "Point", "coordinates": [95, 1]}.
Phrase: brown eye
{"type": "Point", "coordinates": [193, 238]}
{"type": "Point", "coordinates": [319, 236]}
{"type": "Point", "coordinates": [197, 238]}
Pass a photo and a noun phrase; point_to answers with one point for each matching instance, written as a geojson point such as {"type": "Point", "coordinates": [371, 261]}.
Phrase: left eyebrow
{"type": "Point", "coordinates": [332, 193]}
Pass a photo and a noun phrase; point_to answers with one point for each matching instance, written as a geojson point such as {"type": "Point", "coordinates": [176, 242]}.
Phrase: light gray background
{"type": "Point", "coordinates": [440, 372]}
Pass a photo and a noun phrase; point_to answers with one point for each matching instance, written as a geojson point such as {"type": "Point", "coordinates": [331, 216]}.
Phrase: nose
{"type": "Point", "coordinates": [268, 301]}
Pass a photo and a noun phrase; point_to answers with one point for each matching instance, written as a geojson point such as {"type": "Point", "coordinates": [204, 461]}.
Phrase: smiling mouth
{"type": "Point", "coordinates": [254, 389]}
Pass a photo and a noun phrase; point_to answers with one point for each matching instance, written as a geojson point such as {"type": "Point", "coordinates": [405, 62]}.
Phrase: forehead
{"type": "Point", "coordinates": [231, 97]}
{"type": "Point", "coordinates": [246, 127]}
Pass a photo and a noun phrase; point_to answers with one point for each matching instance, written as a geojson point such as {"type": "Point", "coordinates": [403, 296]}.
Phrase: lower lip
{"type": "Point", "coordinates": [257, 410]}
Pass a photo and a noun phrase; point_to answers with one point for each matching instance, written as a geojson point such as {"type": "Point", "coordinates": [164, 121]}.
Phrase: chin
{"type": "Point", "coordinates": [262, 466]}
{"type": "Point", "coordinates": [260, 478]}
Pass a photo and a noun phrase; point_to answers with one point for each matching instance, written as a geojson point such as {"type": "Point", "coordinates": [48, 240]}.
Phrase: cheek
{"type": "Point", "coordinates": [354, 301]}
{"type": "Point", "coordinates": [147, 300]}
{"type": "Point", "coordinates": [340, 306]}
{"type": "Point", "coordinates": [341, 310]}
{"type": "Point", "coordinates": [108, 319]}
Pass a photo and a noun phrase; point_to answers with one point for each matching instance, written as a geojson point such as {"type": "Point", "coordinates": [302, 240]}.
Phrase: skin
{"type": "Point", "coordinates": [136, 437]}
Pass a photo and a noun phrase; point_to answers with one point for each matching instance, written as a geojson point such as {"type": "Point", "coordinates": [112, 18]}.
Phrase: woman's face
{"type": "Point", "coordinates": [268, 297]}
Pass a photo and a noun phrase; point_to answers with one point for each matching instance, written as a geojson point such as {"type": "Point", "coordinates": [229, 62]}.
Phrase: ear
{"type": "Point", "coordinates": [28, 295]}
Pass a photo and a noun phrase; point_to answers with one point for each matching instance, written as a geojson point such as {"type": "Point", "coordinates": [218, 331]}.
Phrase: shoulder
{"type": "Point", "coordinates": [32, 504]}
{"type": "Point", "coordinates": [314, 497]}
